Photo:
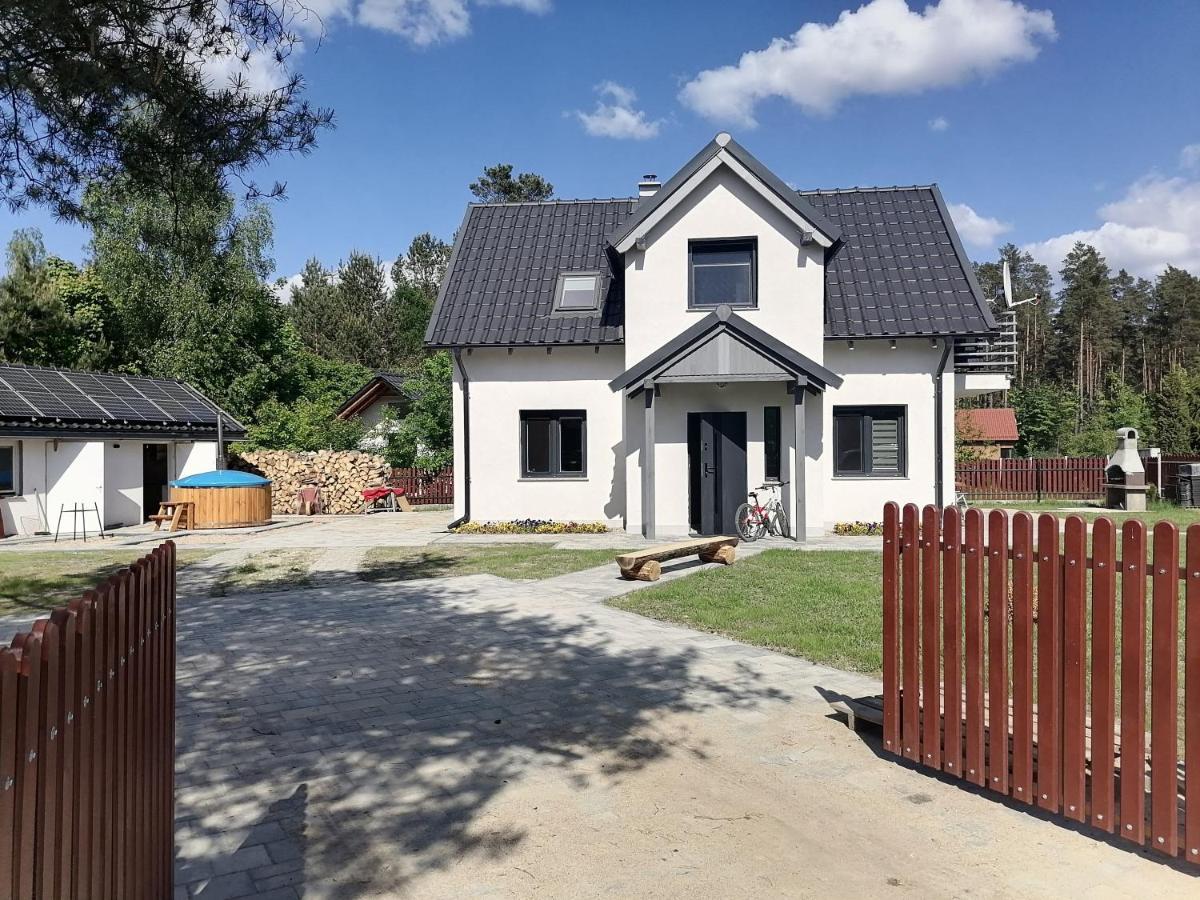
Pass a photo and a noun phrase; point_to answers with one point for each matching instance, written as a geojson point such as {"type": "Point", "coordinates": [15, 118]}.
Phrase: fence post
{"type": "Point", "coordinates": [1191, 698]}
{"type": "Point", "coordinates": [1074, 668]}
{"type": "Point", "coordinates": [1133, 680]}
{"type": "Point", "coordinates": [911, 636]}
{"type": "Point", "coordinates": [973, 654]}
{"type": "Point", "coordinates": [998, 650]}
{"type": "Point", "coordinates": [891, 627]}
{"type": "Point", "coordinates": [1022, 657]}
{"type": "Point", "coordinates": [1164, 689]}
{"type": "Point", "coordinates": [1049, 665]}
{"type": "Point", "coordinates": [1104, 667]}
{"type": "Point", "coordinates": [952, 638]}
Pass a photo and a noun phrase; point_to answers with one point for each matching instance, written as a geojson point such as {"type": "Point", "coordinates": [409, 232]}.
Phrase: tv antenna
{"type": "Point", "coordinates": [1009, 302]}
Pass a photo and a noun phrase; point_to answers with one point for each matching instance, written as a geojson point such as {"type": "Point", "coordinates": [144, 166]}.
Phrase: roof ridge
{"type": "Point", "coordinates": [867, 189]}
{"type": "Point", "coordinates": [556, 200]}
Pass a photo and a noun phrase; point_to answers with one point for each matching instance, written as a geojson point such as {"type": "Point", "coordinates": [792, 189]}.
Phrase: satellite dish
{"type": "Point", "coordinates": [1008, 291]}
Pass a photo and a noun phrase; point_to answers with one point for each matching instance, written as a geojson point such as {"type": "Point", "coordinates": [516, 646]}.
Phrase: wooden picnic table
{"type": "Point", "coordinates": [180, 513]}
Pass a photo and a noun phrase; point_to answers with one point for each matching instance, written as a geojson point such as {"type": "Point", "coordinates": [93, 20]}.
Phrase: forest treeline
{"type": "Point", "coordinates": [1099, 351]}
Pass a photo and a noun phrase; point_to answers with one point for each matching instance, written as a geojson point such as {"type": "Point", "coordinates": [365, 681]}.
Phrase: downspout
{"type": "Point", "coordinates": [466, 472]}
{"type": "Point", "coordinates": [939, 424]}
{"type": "Point", "coordinates": [220, 442]}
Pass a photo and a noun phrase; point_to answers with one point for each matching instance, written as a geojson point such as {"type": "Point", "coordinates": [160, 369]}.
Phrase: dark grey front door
{"type": "Point", "coordinates": [716, 470]}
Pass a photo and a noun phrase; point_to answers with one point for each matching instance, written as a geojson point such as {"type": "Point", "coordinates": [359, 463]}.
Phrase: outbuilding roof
{"type": "Point", "coordinates": [989, 426]}
{"type": "Point", "coordinates": [382, 384]}
{"type": "Point", "coordinates": [895, 266]}
{"type": "Point", "coordinates": [63, 402]}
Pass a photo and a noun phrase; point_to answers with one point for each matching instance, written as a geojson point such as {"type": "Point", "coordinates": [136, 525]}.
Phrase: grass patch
{"type": "Point", "coordinates": [517, 561]}
{"type": "Point", "coordinates": [1159, 511]}
{"type": "Point", "coordinates": [825, 606]}
{"type": "Point", "coordinates": [271, 570]}
{"type": "Point", "coordinates": [40, 581]}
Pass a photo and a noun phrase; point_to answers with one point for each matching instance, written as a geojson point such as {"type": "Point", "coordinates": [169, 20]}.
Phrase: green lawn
{"type": "Point", "coordinates": [270, 570]}
{"type": "Point", "coordinates": [822, 605]}
{"type": "Point", "coordinates": [1157, 512]}
{"type": "Point", "coordinates": [506, 560]}
{"type": "Point", "coordinates": [35, 581]}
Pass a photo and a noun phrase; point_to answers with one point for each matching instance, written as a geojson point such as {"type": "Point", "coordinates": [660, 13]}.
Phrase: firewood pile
{"type": "Point", "coordinates": [340, 474]}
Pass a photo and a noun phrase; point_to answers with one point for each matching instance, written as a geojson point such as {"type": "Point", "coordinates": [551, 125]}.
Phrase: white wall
{"type": "Point", "coordinates": [122, 483]}
{"type": "Point", "coordinates": [791, 278]}
{"type": "Point", "coordinates": [75, 476]}
{"type": "Point", "coordinates": [501, 385]}
{"type": "Point", "coordinates": [89, 472]}
{"type": "Point", "coordinates": [192, 457]}
{"type": "Point", "coordinates": [876, 375]}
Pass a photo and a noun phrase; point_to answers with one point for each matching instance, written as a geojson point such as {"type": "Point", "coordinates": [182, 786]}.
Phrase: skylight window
{"type": "Point", "coordinates": [577, 293]}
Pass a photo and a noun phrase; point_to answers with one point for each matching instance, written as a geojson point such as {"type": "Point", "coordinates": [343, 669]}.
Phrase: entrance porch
{"type": "Point", "coordinates": [721, 409]}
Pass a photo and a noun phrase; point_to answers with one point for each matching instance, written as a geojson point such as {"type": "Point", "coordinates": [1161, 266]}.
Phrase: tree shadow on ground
{"type": "Point", "coordinates": [404, 710]}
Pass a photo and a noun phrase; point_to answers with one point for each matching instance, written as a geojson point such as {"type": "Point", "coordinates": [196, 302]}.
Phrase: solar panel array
{"type": "Point", "coordinates": [27, 393]}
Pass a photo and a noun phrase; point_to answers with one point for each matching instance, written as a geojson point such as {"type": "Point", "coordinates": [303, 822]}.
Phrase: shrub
{"type": "Point", "coordinates": [531, 526]}
{"type": "Point", "coordinates": [858, 528]}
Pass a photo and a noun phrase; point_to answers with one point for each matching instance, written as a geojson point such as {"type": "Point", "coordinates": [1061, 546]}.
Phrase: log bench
{"type": "Point", "coordinates": [646, 565]}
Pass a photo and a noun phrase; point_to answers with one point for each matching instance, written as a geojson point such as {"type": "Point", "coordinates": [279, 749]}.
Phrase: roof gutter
{"type": "Point", "coordinates": [466, 473]}
{"type": "Point", "coordinates": [939, 426]}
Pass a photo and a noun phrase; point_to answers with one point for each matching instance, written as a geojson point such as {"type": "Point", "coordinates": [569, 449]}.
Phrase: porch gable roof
{"type": "Point", "coordinates": [777, 360]}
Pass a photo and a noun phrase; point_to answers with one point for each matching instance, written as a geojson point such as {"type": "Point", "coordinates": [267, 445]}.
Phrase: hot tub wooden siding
{"type": "Point", "coordinates": [228, 507]}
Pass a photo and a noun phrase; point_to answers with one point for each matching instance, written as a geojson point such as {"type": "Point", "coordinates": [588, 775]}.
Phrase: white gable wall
{"type": "Point", "coordinates": [791, 277]}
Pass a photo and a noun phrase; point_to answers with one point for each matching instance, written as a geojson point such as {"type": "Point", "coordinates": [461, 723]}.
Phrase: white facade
{"type": "Point", "coordinates": [721, 201]}
{"type": "Point", "coordinates": [106, 475]}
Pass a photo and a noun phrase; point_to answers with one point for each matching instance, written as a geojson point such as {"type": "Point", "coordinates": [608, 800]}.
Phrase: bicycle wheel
{"type": "Point", "coordinates": [748, 525]}
{"type": "Point", "coordinates": [779, 524]}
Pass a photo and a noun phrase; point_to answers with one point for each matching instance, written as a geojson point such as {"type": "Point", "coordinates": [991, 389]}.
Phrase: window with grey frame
{"type": "Point", "coordinates": [8, 470]}
{"type": "Point", "coordinates": [869, 441]}
{"type": "Point", "coordinates": [554, 443]}
{"type": "Point", "coordinates": [723, 272]}
{"type": "Point", "coordinates": [577, 292]}
{"type": "Point", "coordinates": [772, 448]}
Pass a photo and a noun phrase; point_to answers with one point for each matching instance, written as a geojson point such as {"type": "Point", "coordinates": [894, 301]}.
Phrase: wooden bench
{"type": "Point", "coordinates": [646, 565]}
{"type": "Point", "coordinates": [180, 513]}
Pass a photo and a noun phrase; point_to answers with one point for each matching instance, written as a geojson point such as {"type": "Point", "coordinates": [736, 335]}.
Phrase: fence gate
{"type": "Point", "coordinates": [1016, 660]}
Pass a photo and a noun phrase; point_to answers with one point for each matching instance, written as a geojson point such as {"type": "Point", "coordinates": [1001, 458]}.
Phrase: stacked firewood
{"type": "Point", "coordinates": [340, 475]}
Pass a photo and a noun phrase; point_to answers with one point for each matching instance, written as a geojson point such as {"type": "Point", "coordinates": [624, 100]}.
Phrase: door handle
{"type": "Point", "coordinates": [710, 469]}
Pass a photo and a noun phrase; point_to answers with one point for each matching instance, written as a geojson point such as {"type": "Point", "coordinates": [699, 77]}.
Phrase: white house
{"type": "Point", "coordinates": [386, 391]}
{"type": "Point", "coordinates": [109, 443]}
{"type": "Point", "coordinates": [646, 361]}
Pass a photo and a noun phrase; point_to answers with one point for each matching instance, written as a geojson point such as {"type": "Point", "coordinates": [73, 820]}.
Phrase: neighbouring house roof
{"type": "Point", "coordinates": [895, 267]}
{"type": "Point", "coordinates": [987, 426]}
{"type": "Point", "coordinates": [65, 403]}
{"type": "Point", "coordinates": [381, 385]}
{"type": "Point", "coordinates": [724, 323]}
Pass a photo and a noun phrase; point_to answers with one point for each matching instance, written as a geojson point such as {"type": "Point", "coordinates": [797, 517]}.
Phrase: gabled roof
{"type": "Point", "coordinates": [61, 402]}
{"type": "Point", "coordinates": [895, 267]}
{"type": "Point", "coordinates": [725, 322]}
{"type": "Point", "coordinates": [993, 426]}
{"type": "Point", "coordinates": [499, 286]}
{"type": "Point", "coordinates": [382, 384]}
{"type": "Point", "coordinates": [721, 149]}
{"type": "Point", "coordinates": [899, 269]}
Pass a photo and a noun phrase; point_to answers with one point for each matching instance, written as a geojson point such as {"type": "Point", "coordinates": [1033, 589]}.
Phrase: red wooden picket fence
{"type": "Point", "coordinates": [1037, 703]}
{"type": "Point", "coordinates": [87, 737]}
{"type": "Point", "coordinates": [425, 486]}
{"type": "Point", "coordinates": [1068, 478]}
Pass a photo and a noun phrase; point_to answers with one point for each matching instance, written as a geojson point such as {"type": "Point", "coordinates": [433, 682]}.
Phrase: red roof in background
{"type": "Point", "coordinates": [987, 425]}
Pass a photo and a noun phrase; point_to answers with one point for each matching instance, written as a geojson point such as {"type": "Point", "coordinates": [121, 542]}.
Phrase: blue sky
{"type": "Point", "coordinates": [1049, 120]}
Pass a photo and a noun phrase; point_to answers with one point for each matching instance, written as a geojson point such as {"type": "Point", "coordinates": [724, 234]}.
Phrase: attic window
{"type": "Point", "coordinates": [577, 292]}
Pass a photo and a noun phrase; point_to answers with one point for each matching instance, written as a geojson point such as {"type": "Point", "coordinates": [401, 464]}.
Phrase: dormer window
{"type": "Point", "coordinates": [577, 292]}
{"type": "Point", "coordinates": [722, 271]}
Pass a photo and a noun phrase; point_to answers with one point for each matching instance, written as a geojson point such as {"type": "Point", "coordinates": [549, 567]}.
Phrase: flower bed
{"type": "Point", "coordinates": [531, 526]}
{"type": "Point", "coordinates": [858, 528]}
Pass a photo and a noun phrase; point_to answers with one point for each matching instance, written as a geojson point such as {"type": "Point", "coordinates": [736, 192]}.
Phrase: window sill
{"type": "Point", "coordinates": [552, 478]}
{"type": "Point", "coordinates": [870, 477]}
{"type": "Point", "coordinates": [708, 309]}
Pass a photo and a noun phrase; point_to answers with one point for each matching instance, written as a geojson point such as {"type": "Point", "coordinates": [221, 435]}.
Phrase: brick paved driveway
{"type": "Point", "coordinates": [474, 737]}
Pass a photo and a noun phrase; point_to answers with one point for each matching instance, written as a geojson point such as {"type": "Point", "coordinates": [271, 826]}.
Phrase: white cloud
{"type": "Point", "coordinates": [1156, 224]}
{"type": "Point", "coordinates": [616, 117]}
{"type": "Point", "coordinates": [422, 22]}
{"type": "Point", "coordinates": [882, 48]}
{"type": "Point", "coordinates": [941, 123]}
{"type": "Point", "coordinates": [426, 22]}
{"type": "Point", "coordinates": [980, 231]}
{"type": "Point", "coordinates": [1189, 157]}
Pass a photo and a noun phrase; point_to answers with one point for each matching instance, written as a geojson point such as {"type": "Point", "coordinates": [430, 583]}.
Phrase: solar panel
{"type": "Point", "coordinates": [92, 397]}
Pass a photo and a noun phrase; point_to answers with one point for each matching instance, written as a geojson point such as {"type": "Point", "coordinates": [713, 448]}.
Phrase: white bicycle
{"type": "Point", "coordinates": [754, 519]}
